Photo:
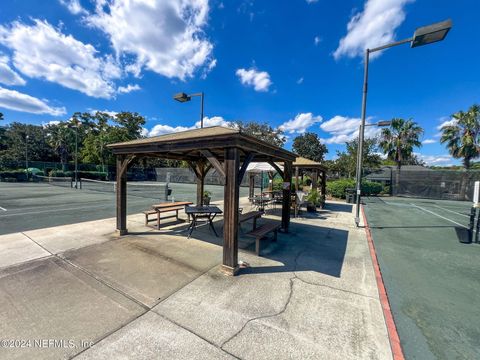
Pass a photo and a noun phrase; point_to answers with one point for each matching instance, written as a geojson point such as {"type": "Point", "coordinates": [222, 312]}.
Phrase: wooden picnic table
{"type": "Point", "coordinates": [167, 207]}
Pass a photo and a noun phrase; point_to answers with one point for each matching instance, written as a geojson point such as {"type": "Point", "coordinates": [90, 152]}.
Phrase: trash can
{"type": "Point", "coordinates": [350, 195]}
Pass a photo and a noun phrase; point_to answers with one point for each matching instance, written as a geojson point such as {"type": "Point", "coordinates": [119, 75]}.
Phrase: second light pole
{"type": "Point", "coordinates": [182, 97]}
{"type": "Point", "coordinates": [422, 36]}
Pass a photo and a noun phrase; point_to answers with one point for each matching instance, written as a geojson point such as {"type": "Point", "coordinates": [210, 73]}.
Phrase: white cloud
{"type": "Point", "coordinates": [260, 80]}
{"type": "Point", "coordinates": [128, 88]}
{"type": "Point", "coordinates": [311, 1]}
{"type": "Point", "coordinates": [164, 36]}
{"type": "Point", "coordinates": [162, 129]}
{"type": "Point", "coordinates": [300, 81]}
{"type": "Point", "coordinates": [109, 112]}
{"type": "Point", "coordinates": [437, 160]}
{"type": "Point", "coordinates": [41, 51]}
{"type": "Point", "coordinates": [373, 27]}
{"type": "Point", "coordinates": [317, 40]}
{"type": "Point", "coordinates": [345, 129]}
{"type": "Point", "coordinates": [446, 122]}
{"type": "Point", "coordinates": [73, 6]}
{"type": "Point", "coordinates": [7, 75]}
{"type": "Point", "coordinates": [166, 129]}
{"type": "Point", "coordinates": [300, 123]}
{"type": "Point", "coordinates": [429, 141]}
{"type": "Point", "coordinates": [14, 100]}
{"type": "Point", "coordinates": [212, 121]}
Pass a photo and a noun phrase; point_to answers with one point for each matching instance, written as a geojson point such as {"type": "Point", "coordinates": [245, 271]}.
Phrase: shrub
{"type": "Point", "coordinates": [371, 188]}
{"type": "Point", "coordinates": [337, 188]}
{"type": "Point", "coordinates": [13, 175]}
{"type": "Point", "coordinates": [60, 173]}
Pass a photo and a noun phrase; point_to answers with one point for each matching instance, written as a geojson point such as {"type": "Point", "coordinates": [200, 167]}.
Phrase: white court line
{"type": "Point", "coordinates": [440, 216]}
{"type": "Point", "coordinates": [455, 212]}
{"type": "Point", "coordinates": [3, 209]}
{"type": "Point", "coordinates": [53, 210]}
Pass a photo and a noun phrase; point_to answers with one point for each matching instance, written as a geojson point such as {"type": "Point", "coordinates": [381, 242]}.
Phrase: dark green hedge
{"type": "Point", "coordinates": [337, 188]}
{"type": "Point", "coordinates": [13, 175]}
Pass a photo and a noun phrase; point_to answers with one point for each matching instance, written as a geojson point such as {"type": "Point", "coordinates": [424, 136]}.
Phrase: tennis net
{"type": "Point", "coordinates": [140, 189]}
{"type": "Point", "coordinates": [56, 181]}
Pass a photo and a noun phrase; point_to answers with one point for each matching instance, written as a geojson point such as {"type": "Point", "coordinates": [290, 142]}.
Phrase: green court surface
{"type": "Point", "coordinates": [28, 206]}
{"type": "Point", "coordinates": [432, 278]}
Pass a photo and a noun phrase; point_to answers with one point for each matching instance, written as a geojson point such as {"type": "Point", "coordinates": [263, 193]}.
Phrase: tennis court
{"type": "Point", "coordinates": [431, 274]}
{"type": "Point", "coordinates": [36, 205]}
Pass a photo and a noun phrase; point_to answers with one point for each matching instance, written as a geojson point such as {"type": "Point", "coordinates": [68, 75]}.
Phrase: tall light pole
{"type": "Point", "coordinates": [423, 36]}
{"type": "Point", "coordinates": [182, 97]}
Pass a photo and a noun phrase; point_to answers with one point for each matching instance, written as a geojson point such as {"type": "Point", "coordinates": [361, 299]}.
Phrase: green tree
{"type": "Point", "coordinates": [463, 135]}
{"type": "Point", "coordinates": [106, 129]}
{"type": "Point", "coordinates": [346, 162]}
{"type": "Point", "coordinates": [61, 139]}
{"type": "Point", "coordinates": [262, 131]}
{"type": "Point", "coordinates": [398, 142]}
{"type": "Point", "coordinates": [309, 146]}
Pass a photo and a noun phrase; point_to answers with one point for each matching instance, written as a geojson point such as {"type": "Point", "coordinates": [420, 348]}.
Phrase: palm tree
{"type": "Point", "coordinates": [463, 135]}
{"type": "Point", "coordinates": [398, 141]}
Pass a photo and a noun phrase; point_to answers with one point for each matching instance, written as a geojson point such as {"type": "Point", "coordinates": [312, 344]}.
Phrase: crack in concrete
{"type": "Point", "coordinates": [289, 298]}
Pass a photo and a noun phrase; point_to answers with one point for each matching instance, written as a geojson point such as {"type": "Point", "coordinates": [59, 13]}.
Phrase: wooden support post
{"type": "Point", "coordinates": [122, 163]}
{"type": "Point", "coordinates": [324, 183]}
{"type": "Point", "coordinates": [251, 185]}
{"type": "Point", "coordinates": [296, 178]}
{"type": "Point", "coordinates": [287, 178]}
{"type": "Point", "coordinates": [200, 183]}
{"type": "Point", "coordinates": [315, 179]}
{"type": "Point", "coordinates": [230, 215]}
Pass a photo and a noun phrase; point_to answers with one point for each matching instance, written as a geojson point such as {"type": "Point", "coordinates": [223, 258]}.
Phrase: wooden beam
{"type": "Point", "coordinates": [286, 202]}
{"type": "Point", "coordinates": [214, 161]}
{"type": "Point", "coordinates": [193, 167]}
{"type": "Point", "coordinates": [296, 178]}
{"type": "Point", "coordinates": [277, 168]}
{"type": "Point", "coordinates": [241, 173]}
{"type": "Point", "coordinates": [230, 216]}
{"type": "Point", "coordinates": [122, 163]}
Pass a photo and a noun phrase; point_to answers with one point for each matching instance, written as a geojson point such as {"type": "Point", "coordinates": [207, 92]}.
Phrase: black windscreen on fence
{"type": "Point", "coordinates": [422, 182]}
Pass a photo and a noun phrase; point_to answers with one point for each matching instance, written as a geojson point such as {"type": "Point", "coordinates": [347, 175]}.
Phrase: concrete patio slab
{"type": "Point", "coordinates": [49, 300]}
{"type": "Point", "coordinates": [16, 248]}
{"type": "Point", "coordinates": [153, 337]}
{"type": "Point", "coordinates": [150, 267]}
{"type": "Point", "coordinates": [306, 329]}
{"type": "Point", "coordinates": [157, 294]}
{"type": "Point", "coordinates": [75, 236]}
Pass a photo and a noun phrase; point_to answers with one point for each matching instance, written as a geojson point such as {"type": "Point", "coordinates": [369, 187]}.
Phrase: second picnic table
{"type": "Point", "coordinates": [167, 207]}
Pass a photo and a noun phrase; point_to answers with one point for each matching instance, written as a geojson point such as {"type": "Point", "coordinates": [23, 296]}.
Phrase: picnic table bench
{"type": "Point", "coordinates": [249, 216]}
{"type": "Point", "coordinates": [158, 209]}
{"type": "Point", "coordinates": [260, 233]}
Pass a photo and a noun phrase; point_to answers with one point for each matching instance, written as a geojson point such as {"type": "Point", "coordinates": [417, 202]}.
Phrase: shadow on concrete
{"type": "Point", "coordinates": [336, 207]}
{"type": "Point", "coordinates": [305, 248]}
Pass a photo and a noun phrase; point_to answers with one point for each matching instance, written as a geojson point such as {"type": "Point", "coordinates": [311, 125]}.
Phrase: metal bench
{"type": "Point", "coordinates": [260, 233]}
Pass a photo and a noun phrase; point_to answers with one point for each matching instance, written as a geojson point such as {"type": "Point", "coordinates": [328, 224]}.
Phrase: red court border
{"type": "Point", "coordinates": [387, 313]}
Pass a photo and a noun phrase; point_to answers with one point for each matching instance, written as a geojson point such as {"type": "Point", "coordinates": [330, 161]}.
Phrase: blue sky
{"type": "Point", "coordinates": [296, 64]}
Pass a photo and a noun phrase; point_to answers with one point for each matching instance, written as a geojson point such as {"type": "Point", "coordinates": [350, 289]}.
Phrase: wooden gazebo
{"type": "Point", "coordinates": [303, 165]}
{"type": "Point", "coordinates": [227, 150]}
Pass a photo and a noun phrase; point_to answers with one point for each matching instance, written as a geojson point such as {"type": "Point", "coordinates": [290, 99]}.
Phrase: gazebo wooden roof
{"type": "Point", "coordinates": [227, 150]}
{"type": "Point", "coordinates": [188, 145]}
{"type": "Point", "coordinates": [305, 163]}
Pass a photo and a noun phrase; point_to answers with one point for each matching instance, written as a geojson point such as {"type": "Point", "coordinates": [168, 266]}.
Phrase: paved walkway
{"type": "Point", "coordinates": [81, 291]}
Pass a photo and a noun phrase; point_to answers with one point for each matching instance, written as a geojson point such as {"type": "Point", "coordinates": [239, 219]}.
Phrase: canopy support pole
{"type": "Point", "coordinates": [230, 216]}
